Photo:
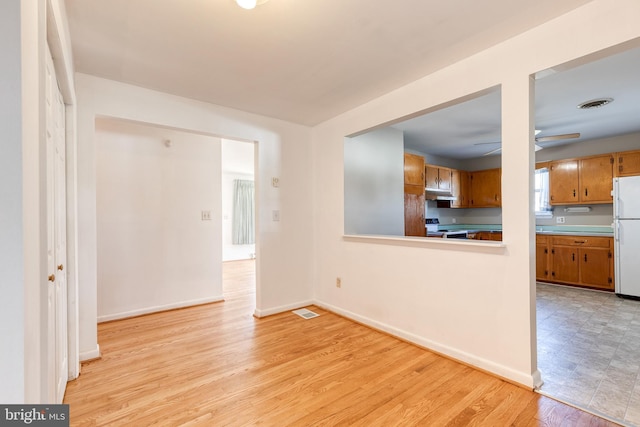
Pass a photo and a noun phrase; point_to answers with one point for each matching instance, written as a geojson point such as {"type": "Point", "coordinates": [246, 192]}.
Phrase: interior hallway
{"type": "Point", "coordinates": [216, 364]}
{"type": "Point", "coordinates": [589, 350]}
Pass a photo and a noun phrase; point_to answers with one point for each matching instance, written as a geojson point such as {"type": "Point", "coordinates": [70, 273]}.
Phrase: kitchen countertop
{"type": "Point", "coordinates": [574, 230]}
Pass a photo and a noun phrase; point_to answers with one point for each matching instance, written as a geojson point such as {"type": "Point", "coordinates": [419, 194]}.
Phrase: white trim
{"type": "Point", "coordinates": [281, 309]}
{"type": "Point", "coordinates": [529, 380]}
{"type": "Point", "coordinates": [158, 308]}
{"type": "Point", "coordinates": [544, 214]}
{"type": "Point", "coordinates": [90, 355]}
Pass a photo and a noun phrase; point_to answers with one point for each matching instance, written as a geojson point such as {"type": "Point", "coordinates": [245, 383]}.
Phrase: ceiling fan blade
{"type": "Point", "coordinates": [537, 148]}
{"type": "Point", "coordinates": [492, 151]}
{"type": "Point", "coordinates": [486, 143]}
{"type": "Point", "coordinates": [558, 137]}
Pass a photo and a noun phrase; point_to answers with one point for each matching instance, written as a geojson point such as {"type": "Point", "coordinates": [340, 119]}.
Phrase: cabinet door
{"type": "Point", "coordinates": [541, 261]}
{"type": "Point", "coordinates": [564, 264]}
{"type": "Point", "coordinates": [414, 211]}
{"type": "Point", "coordinates": [563, 182]}
{"type": "Point", "coordinates": [433, 177]}
{"type": "Point", "coordinates": [628, 163]}
{"type": "Point", "coordinates": [595, 268]}
{"type": "Point", "coordinates": [542, 257]}
{"type": "Point", "coordinates": [596, 179]}
{"type": "Point", "coordinates": [496, 236]}
{"type": "Point", "coordinates": [460, 188]}
{"type": "Point", "coordinates": [414, 170]}
{"type": "Point", "coordinates": [444, 179]}
{"type": "Point", "coordinates": [485, 188]}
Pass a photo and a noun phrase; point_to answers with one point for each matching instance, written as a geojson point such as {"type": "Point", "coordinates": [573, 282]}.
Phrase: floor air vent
{"type": "Point", "coordinates": [307, 314]}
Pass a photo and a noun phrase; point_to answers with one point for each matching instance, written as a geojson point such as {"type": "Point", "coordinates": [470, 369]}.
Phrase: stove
{"type": "Point", "coordinates": [434, 230]}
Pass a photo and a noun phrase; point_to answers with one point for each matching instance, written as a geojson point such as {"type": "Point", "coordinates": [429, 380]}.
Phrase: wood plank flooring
{"type": "Point", "coordinates": [217, 365]}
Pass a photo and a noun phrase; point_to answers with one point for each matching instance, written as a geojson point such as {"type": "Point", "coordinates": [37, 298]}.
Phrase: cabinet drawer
{"type": "Point", "coordinates": [542, 239]}
{"type": "Point", "coordinates": [586, 241]}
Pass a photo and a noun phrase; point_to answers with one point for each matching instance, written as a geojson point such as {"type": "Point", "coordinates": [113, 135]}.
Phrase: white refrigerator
{"type": "Point", "coordinates": [626, 216]}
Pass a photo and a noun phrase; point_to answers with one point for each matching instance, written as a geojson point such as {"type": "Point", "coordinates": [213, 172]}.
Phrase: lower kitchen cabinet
{"type": "Point", "coordinates": [542, 257]}
{"type": "Point", "coordinates": [485, 235]}
{"type": "Point", "coordinates": [578, 260]}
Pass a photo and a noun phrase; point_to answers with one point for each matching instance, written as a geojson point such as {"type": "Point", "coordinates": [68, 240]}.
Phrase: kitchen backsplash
{"type": "Point", "coordinates": [599, 215]}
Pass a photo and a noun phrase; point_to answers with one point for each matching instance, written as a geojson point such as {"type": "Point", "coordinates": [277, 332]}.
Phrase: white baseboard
{"type": "Point", "coordinates": [282, 308]}
{"type": "Point", "coordinates": [158, 308]}
{"type": "Point", "coordinates": [528, 380]}
{"type": "Point", "coordinates": [91, 354]}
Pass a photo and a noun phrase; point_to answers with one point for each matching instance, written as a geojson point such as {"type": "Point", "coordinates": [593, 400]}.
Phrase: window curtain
{"type": "Point", "coordinates": [542, 190]}
{"type": "Point", "coordinates": [243, 212]}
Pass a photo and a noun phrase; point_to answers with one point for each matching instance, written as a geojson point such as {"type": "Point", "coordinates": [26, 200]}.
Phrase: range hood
{"type": "Point", "coordinates": [437, 194]}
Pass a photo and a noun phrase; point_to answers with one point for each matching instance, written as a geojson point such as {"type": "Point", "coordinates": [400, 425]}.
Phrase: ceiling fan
{"type": "Point", "coordinates": [538, 139]}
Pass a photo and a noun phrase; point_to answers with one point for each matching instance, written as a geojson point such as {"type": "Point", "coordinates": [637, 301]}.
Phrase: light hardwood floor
{"type": "Point", "coordinates": [217, 365]}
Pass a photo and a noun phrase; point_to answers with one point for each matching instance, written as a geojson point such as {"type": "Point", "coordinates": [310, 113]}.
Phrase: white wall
{"type": "Point", "coordinates": [473, 302]}
{"type": "Point", "coordinates": [154, 250]}
{"type": "Point", "coordinates": [237, 163]}
{"type": "Point", "coordinates": [284, 249]}
{"type": "Point", "coordinates": [374, 183]}
{"type": "Point", "coordinates": [12, 307]}
{"type": "Point", "coordinates": [23, 189]}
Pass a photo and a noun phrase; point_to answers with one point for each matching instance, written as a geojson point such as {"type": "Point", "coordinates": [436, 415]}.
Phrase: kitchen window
{"type": "Point", "coordinates": [542, 205]}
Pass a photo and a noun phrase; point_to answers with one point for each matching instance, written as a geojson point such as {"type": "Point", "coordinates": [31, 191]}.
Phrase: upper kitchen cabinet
{"type": "Point", "coordinates": [485, 188]}
{"type": "Point", "coordinates": [460, 188]}
{"type": "Point", "coordinates": [438, 178]}
{"type": "Point", "coordinates": [627, 163]}
{"type": "Point", "coordinates": [587, 180]}
{"type": "Point", "coordinates": [414, 170]}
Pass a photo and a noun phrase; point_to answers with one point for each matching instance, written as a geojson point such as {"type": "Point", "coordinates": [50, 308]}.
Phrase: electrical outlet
{"type": "Point", "coordinates": [275, 182]}
{"type": "Point", "coordinates": [206, 215]}
{"type": "Point", "coordinates": [275, 215]}
{"type": "Point", "coordinates": [560, 220]}
{"type": "Point", "coordinates": [453, 220]}
{"type": "Point", "coordinates": [338, 282]}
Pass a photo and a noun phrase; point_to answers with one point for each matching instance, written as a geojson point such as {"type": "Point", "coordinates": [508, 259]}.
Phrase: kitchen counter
{"type": "Point", "coordinates": [576, 230]}
{"type": "Point", "coordinates": [572, 230]}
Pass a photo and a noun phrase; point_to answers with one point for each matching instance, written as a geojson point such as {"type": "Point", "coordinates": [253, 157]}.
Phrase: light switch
{"type": "Point", "coordinates": [276, 215]}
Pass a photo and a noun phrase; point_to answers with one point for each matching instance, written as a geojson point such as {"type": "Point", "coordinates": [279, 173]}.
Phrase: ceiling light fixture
{"type": "Point", "coordinates": [250, 4]}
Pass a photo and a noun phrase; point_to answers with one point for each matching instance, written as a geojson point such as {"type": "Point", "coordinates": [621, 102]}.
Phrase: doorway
{"type": "Point", "coordinates": [238, 218]}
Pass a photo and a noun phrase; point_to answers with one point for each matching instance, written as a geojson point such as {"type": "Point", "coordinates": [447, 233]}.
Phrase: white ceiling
{"type": "Point", "coordinates": [304, 61]}
{"type": "Point", "coordinates": [454, 131]}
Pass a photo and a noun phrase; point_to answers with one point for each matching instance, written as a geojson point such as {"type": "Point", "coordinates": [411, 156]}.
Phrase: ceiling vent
{"type": "Point", "coordinates": [595, 103]}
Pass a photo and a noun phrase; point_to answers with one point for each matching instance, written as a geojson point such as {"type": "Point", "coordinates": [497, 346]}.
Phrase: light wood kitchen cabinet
{"type": "Point", "coordinates": [486, 235]}
{"type": "Point", "coordinates": [564, 264]}
{"type": "Point", "coordinates": [414, 211]}
{"type": "Point", "coordinates": [587, 180]}
{"type": "Point", "coordinates": [438, 178]}
{"type": "Point", "coordinates": [627, 163]}
{"type": "Point", "coordinates": [413, 170]}
{"type": "Point", "coordinates": [460, 188]}
{"type": "Point", "coordinates": [485, 188]}
{"type": "Point", "coordinates": [583, 261]}
{"type": "Point", "coordinates": [542, 257]}
{"type": "Point", "coordinates": [414, 196]}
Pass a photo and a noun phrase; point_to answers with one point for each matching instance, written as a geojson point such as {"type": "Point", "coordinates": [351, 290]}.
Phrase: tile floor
{"type": "Point", "coordinates": [589, 350]}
